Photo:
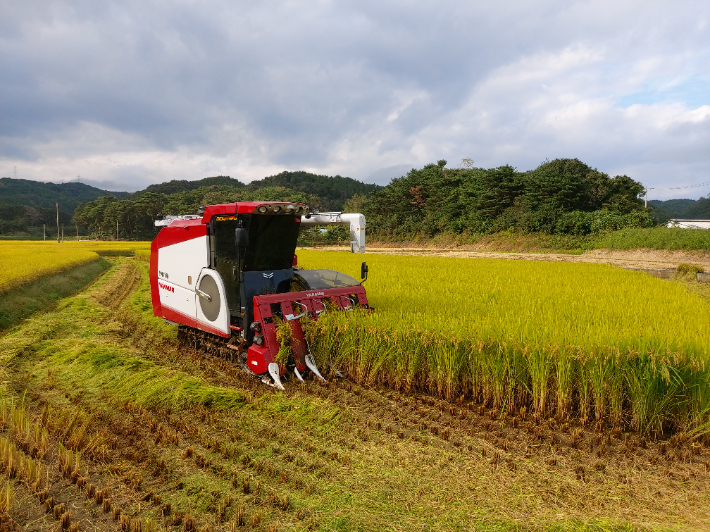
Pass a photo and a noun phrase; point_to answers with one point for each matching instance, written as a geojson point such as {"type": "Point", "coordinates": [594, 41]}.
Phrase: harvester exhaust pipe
{"type": "Point", "coordinates": [355, 220]}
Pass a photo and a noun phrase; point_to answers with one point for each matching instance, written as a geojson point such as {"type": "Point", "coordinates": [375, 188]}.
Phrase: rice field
{"type": "Point", "coordinates": [23, 261]}
{"type": "Point", "coordinates": [609, 346]}
{"type": "Point", "coordinates": [108, 423]}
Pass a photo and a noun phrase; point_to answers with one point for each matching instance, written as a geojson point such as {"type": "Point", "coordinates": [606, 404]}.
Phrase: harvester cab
{"type": "Point", "coordinates": [227, 276]}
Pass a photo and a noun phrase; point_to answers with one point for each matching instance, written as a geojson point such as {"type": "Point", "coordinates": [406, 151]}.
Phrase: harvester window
{"type": "Point", "coordinates": [225, 247]}
{"type": "Point", "coordinates": [272, 242]}
{"type": "Point", "coordinates": [225, 262]}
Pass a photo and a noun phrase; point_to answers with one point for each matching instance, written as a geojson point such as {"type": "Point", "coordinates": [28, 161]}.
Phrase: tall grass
{"type": "Point", "coordinates": [656, 238]}
{"type": "Point", "coordinates": [609, 345]}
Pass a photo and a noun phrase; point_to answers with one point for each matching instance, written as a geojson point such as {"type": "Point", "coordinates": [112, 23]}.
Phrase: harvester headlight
{"type": "Point", "coordinates": [263, 209]}
{"type": "Point", "coordinates": [258, 339]}
{"type": "Point", "coordinates": [255, 326]}
{"type": "Point", "coordinates": [276, 208]}
{"type": "Point", "coordinates": [290, 209]}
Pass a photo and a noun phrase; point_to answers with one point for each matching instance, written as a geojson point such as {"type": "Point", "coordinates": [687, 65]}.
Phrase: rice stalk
{"type": "Point", "coordinates": [284, 336]}
{"type": "Point", "coordinates": [564, 378]}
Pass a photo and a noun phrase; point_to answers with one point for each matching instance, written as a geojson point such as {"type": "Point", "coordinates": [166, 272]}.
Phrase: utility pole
{"type": "Point", "coordinates": [57, 205]}
{"type": "Point", "coordinates": [44, 231]}
{"type": "Point", "coordinates": [62, 233]}
{"type": "Point", "coordinates": [116, 228]}
{"type": "Point", "coordinates": [77, 232]}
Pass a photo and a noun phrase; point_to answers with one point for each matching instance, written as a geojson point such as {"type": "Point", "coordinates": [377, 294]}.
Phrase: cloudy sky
{"type": "Point", "coordinates": [125, 94]}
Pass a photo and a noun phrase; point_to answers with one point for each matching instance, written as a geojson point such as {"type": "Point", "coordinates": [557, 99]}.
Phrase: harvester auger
{"type": "Point", "coordinates": [224, 276]}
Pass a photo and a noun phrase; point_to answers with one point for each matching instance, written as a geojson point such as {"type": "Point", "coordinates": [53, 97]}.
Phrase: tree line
{"type": "Point", "coordinates": [135, 214]}
{"type": "Point", "coordinates": [134, 217]}
{"type": "Point", "coordinates": [563, 196]}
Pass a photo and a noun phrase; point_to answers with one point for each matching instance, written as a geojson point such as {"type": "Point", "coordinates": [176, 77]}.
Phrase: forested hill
{"type": "Point", "coordinates": [682, 208]}
{"type": "Point", "coordinates": [564, 196]}
{"type": "Point", "coordinates": [171, 187]}
{"type": "Point", "coordinates": [20, 192]}
{"type": "Point", "coordinates": [26, 205]}
{"type": "Point", "coordinates": [332, 191]}
{"type": "Point", "coordinates": [135, 214]}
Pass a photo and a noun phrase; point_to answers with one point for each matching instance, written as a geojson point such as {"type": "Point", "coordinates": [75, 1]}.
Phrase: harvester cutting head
{"type": "Point", "coordinates": [231, 272]}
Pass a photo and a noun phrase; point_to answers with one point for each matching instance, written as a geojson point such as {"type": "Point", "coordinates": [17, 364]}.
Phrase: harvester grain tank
{"type": "Point", "coordinates": [224, 276]}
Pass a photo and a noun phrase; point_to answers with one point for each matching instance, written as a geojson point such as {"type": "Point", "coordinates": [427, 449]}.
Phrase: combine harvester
{"type": "Point", "coordinates": [224, 275]}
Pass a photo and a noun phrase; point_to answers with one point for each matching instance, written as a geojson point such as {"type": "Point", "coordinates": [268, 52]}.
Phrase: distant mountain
{"type": "Point", "coordinates": [24, 192]}
{"type": "Point", "coordinates": [171, 187]}
{"type": "Point", "coordinates": [25, 206]}
{"type": "Point", "coordinates": [332, 191]}
{"type": "Point", "coordinates": [681, 208]}
{"type": "Point", "coordinates": [699, 210]}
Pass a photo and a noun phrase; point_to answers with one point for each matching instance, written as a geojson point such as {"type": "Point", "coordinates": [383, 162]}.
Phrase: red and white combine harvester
{"type": "Point", "coordinates": [223, 276]}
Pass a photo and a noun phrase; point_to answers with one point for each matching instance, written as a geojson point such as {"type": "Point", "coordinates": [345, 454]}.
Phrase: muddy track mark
{"type": "Point", "coordinates": [117, 288]}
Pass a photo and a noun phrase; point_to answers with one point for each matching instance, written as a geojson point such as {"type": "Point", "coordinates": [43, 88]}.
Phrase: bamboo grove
{"type": "Point", "coordinates": [608, 346]}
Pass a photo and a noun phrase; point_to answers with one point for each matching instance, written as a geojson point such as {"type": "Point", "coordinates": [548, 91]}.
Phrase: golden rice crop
{"type": "Point", "coordinates": [600, 342]}
{"type": "Point", "coordinates": [22, 261]}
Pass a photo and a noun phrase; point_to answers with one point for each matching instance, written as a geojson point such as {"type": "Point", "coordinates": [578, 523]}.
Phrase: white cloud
{"type": "Point", "coordinates": [137, 93]}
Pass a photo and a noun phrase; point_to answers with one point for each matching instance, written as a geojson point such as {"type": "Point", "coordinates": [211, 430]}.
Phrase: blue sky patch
{"type": "Point", "coordinates": [693, 93]}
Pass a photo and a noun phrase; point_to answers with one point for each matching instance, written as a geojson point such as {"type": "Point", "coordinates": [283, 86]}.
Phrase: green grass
{"type": "Point", "coordinates": [22, 301]}
{"type": "Point", "coordinates": [80, 338]}
{"type": "Point", "coordinates": [505, 241]}
{"type": "Point", "coordinates": [509, 241]}
{"type": "Point", "coordinates": [656, 238]}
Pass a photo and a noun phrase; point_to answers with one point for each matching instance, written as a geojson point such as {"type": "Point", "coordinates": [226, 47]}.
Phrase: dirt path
{"type": "Point", "coordinates": [647, 259]}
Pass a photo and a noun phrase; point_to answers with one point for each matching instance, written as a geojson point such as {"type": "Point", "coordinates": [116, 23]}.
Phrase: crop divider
{"type": "Point", "coordinates": [313, 304]}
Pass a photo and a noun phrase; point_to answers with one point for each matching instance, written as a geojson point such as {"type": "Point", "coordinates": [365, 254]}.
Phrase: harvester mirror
{"type": "Point", "coordinates": [241, 237]}
{"type": "Point", "coordinates": [363, 271]}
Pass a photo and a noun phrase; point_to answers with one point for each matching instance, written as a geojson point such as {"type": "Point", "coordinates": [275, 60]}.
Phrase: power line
{"type": "Point", "coordinates": [645, 199]}
{"type": "Point", "coordinates": [680, 188]}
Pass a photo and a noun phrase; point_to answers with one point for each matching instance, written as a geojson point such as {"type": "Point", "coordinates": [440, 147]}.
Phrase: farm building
{"type": "Point", "coordinates": [689, 224]}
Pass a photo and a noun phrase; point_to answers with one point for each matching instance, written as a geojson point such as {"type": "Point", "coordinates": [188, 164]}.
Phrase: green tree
{"type": "Point", "coordinates": [355, 203]}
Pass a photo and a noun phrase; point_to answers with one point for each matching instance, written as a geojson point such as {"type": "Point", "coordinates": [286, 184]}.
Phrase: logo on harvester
{"type": "Point", "coordinates": [166, 287]}
{"type": "Point", "coordinates": [268, 275]}
{"type": "Point", "coordinates": [315, 294]}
